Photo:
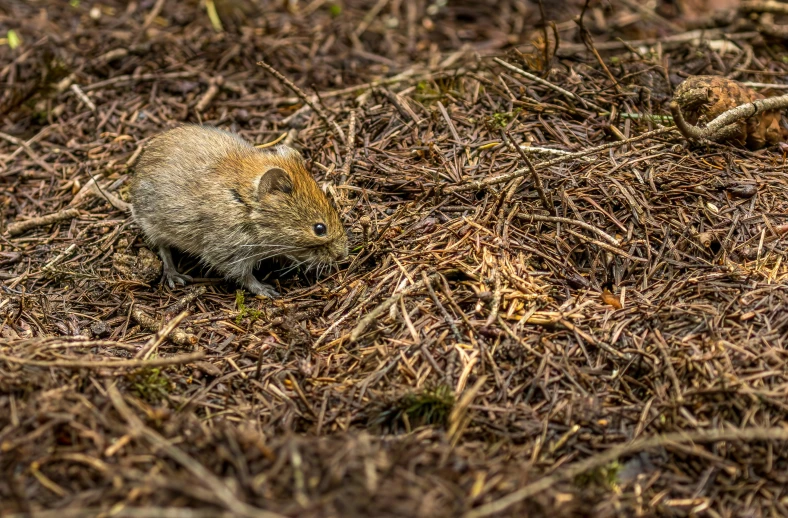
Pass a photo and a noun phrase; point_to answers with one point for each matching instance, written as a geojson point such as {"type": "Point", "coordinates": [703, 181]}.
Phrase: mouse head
{"type": "Point", "coordinates": [294, 212]}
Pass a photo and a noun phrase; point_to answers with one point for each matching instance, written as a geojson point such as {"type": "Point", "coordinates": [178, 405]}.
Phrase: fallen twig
{"type": "Point", "coordinates": [350, 149]}
{"type": "Point", "coordinates": [301, 95]}
{"type": "Point", "coordinates": [589, 42]}
{"type": "Point", "coordinates": [567, 221]}
{"type": "Point", "coordinates": [721, 126]}
{"type": "Point", "coordinates": [32, 154]}
{"type": "Point", "coordinates": [176, 335]}
{"type": "Point", "coordinates": [384, 306]}
{"type": "Point", "coordinates": [476, 185]}
{"type": "Point", "coordinates": [208, 479]}
{"type": "Point", "coordinates": [607, 247]}
{"type": "Point", "coordinates": [763, 6]}
{"type": "Point", "coordinates": [92, 188]}
{"type": "Point", "coordinates": [83, 97]}
{"type": "Point", "coordinates": [446, 317]}
{"type": "Point", "coordinates": [214, 86]}
{"type": "Point", "coordinates": [20, 227]}
{"type": "Point", "coordinates": [537, 79]}
{"type": "Point", "coordinates": [546, 203]}
{"type": "Point", "coordinates": [667, 42]}
{"type": "Point", "coordinates": [107, 364]}
{"type": "Point", "coordinates": [186, 300]}
{"type": "Point", "coordinates": [604, 458]}
{"type": "Point", "coordinates": [134, 78]}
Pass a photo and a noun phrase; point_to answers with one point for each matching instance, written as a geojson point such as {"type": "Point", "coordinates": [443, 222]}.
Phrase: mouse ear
{"type": "Point", "coordinates": [289, 152]}
{"type": "Point", "coordinates": [274, 180]}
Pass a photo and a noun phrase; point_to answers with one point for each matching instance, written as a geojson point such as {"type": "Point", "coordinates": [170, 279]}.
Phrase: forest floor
{"type": "Point", "coordinates": [613, 347]}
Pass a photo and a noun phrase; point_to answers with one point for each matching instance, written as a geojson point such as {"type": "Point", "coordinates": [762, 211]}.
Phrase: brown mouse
{"type": "Point", "coordinates": [210, 193]}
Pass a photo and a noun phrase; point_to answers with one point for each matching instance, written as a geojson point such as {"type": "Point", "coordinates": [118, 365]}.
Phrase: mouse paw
{"type": "Point", "coordinates": [173, 278]}
{"type": "Point", "coordinates": [258, 288]}
{"type": "Point", "coordinates": [169, 274]}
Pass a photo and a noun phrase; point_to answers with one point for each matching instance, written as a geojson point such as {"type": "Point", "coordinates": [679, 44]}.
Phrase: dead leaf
{"type": "Point", "coordinates": [610, 299]}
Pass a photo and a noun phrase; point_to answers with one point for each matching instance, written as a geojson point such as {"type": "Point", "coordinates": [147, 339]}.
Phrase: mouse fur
{"type": "Point", "coordinates": [210, 193]}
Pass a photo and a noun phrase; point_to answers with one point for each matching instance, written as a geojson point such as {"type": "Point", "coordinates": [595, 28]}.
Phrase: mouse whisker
{"type": "Point", "coordinates": [293, 267]}
{"type": "Point", "coordinates": [267, 254]}
{"type": "Point", "coordinates": [260, 245]}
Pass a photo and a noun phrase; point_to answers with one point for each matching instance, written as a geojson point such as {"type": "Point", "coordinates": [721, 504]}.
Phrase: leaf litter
{"type": "Point", "coordinates": [615, 347]}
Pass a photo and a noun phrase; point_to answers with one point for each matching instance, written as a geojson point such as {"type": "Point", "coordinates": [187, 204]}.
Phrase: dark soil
{"type": "Point", "coordinates": [644, 294]}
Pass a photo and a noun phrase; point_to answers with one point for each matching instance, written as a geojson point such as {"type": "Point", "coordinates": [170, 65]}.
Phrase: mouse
{"type": "Point", "coordinates": [212, 194]}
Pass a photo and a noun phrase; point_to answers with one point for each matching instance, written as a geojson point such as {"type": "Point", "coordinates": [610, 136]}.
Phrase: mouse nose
{"type": "Point", "coordinates": [340, 253]}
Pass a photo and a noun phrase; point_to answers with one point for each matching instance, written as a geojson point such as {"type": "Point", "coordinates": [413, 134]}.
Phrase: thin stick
{"type": "Point", "coordinates": [107, 364]}
{"type": "Point", "coordinates": [369, 17]}
{"type": "Point", "coordinates": [667, 42]}
{"type": "Point", "coordinates": [437, 302]}
{"type": "Point", "coordinates": [32, 154]}
{"type": "Point", "coordinates": [450, 123]}
{"type": "Point", "coordinates": [301, 95]}
{"type": "Point", "coordinates": [763, 6]}
{"type": "Point", "coordinates": [133, 78]}
{"type": "Point", "coordinates": [92, 187]}
{"type": "Point", "coordinates": [20, 227]}
{"type": "Point", "coordinates": [607, 247]}
{"type": "Point", "coordinates": [408, 74]}
{"type": "Point", "coordinates": [720, 126]}
{"type": "Point", "coordinates": [83, 97]}
{"type": "Point", "coordinates": [51, 264]}
{"type": "Point", "coordinates": [152, 15]}
{"type": "Point", "coordinates": [589, 42]}
{"type": "Point", "coordinates": [186, 300]}
{"type": "Point", "coordinates": [606, 457]}
{"type": "Point", "coordinates": [350, 149]}
{"type": "Point", "coordinates": [765, 85]}
{"type": "Point", "coordinates": [208, 479]}
{"type": "Point", "coordinates": [401, 107]}
{"type": "Point", "coordinates": [534, 175]}
{"type": "Point", "coordinates": [662, 345]}
{"type": "Point", "coordinates": [481, 184]}
{"type": "Point", "coordinates": [548, 84]}
{"type": "Point", "coordinates": [274, 142]}
{"type": "Point", "coordinates": [176, 335]}
{"type": "Point", "coordinates": [373, 315]}
{"type": "Point", "coordinates": [214, 86]}
{"type": "Point", "coordinates": [567, 221]}
{"type": "Point", "coordinates": [548, 59]}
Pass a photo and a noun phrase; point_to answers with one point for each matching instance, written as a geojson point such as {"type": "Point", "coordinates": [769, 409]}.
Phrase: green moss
{"type": "Point", "coordinates": [430, 407]}
{"type": "Point", "coordinates": [151, 384]}
{"type": "Point", "coordinates": [502, 119]}
{"type": "Point", "coordinates": [606, 476]}
{"type": "Point", "coordinates": [243, 310]}
{"type": "Point", "coordinates": [435, 89]}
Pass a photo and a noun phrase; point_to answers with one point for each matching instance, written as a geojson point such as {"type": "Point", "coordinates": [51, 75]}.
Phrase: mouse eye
{"type": "Point", "coordinates": [320, 229]}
